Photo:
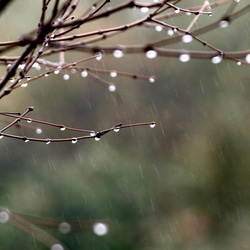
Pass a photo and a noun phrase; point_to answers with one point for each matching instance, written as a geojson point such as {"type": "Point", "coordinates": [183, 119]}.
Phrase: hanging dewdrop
{"type": "Point", "coordinates": [216, 59]}
{"type": "Point", "coordinates": [118, 53]}
{"type": "Point", "coordinates": [151, 54]}
{"type": "Point", "coordinates": [112, 88]}
{"type": "Point", "coordinates": [84, 73]}
{"type": "Point", "coordinates": [74, 140]}
{"type": "Point", "coordinates": [66, 77]}
{"type": "Point", "coordinates": [98, 56]}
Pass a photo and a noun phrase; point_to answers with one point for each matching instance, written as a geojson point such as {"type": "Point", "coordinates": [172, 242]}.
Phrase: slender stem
{"type": "Point", "coordinates": [17, 119]}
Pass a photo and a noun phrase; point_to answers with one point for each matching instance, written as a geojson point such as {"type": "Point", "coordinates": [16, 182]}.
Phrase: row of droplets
{"type": "Point", "coordinates": [98, 228]}
{"type": "Point", "coordinates": [185, 57]}
{"type": "Point", "coordinates": [150, 54]}
{"type": "Point", "coordinates": [116, 53]}
{"type": "Point", "coordinates": [74, 140]}
{"type": "Point", "coordinates": [188, 38]}
{"type": "Point", "coordinates": [177, 10]}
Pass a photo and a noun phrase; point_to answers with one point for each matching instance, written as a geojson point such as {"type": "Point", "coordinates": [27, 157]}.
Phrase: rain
{"type": "Point", "coordinates": [126, 126]}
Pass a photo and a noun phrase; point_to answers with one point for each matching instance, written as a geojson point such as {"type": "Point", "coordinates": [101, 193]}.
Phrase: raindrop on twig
{"type": "Point", "coordinates": [151, 54]}
{"type": "Point", "coordinates": [151, 79]}
{"type": "Point", "coordinates": [112, 88]}
{"type": "Point", "coordinates": [62, 128]}
{"type": "Point", "coordinates": [74, 140]}
{"type": "Point", "coordinates": [216, 59]}
{"type": "Point", "coordinates": [100, 229]}
{"type": "Point", "coordinates": [98, 56]}
{"type": "Point", "coordinates": [66, 77]}
{"type": "Point", "coordinates": [48, 141]}
{"type": "Point", "coordinates": [84, 73]}
{"type": "Point", "coordinates": [118, 53]}
{"type": "Point", "coordinates": [24, 85]}
{"type": "Point", "coordinates": [187, 39]}
{"type": "Point", "coordinates": [248, 58]}
{"type": "Point", "coordinates": [64, 227]}
{"type": "Point", "coordinates": [184, 57]}
{"type": "Point", "coordinates": [4, 216]}
{"type": "Point", "coordinates": [152, 125]}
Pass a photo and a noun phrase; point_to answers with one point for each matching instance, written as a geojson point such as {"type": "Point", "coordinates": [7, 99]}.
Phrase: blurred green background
{"type": "Point", "coordinates": [182, 185]}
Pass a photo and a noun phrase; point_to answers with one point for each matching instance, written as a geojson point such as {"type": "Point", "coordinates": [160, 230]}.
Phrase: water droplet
{"type": "Point", "coordinates": [113, 74]}
{"type": "Point", "coordinates": [56, 72]}
{"type": "Point", "coordinates": [36, 66]}
{"type": "Point", "coordinates": [184, 57]}
{"type": "Point", "coordinates": [1, 137]}
{"type": "Point", "coordinates": [223, 24]}
{"type": "Point", "coordinates": [74, 140]}
{"type": "Point", "coordinates": [26, 140]}
{"type": "Point", "coordinates": [152, 125]}
{"type": "Point", "coordinates": [210, 14]}
{"type": "Point", "coordinates": [92, 133]}
{"type": "Point", "coordinates": [177, 11]}
{"type": "Point", "coordinates": [144, 9]}
{"type": "Point", "coordinates": [187, 39]}
{"type": "Point", "coordinates": [248, 58]}
{"type": "Point", "coordinates": [24, 85]}
{"type": "Point", "coordinates": [57, 246]}
{"type": "Point", "coordinates": [84, 73]}
{"type": "Point", "coordinates": [48, 141]}
{"type": "Point", "coordinates": [237, 1]}
{"type": "Point", "coordinates": [66, 77]}
{"type": "Point", "coordinates": [97, 138]}
{"type": "Point", "coordinates": [98, 56]}
{"type": "Point", "coordinates": [39, 131]}
{"type": "Point", "coordinates": [100, 229]}
{"type": "Point", "coordinates": [12, 80]}
{"type": "Point", "coordinates": [112, 88]}
{"type": "Point", "coordinates": [4, 216]}
{"type": "Point", "coordinates": [46, 75]}
{"type": "Point", "coordinates": [118, 53]}
{"type": "Point", "coordinates": [73, 71]}
{"type": "Point", "coordinates": [216, 59]}
{"type": "Point", "coordinates": [29, 120]}
{"type": "Point", "coordinates": [151, 79]}
{"type": "Point", "coordinates": [62, 128]}
{"type": "Point", "coordinates": [64, 227]}
{"type": "Point", "coordinates": [238, 63]}
{"type": "Point", "coordinates": [116, 130]}
{"type": "Point", "coordinates": [28, 78]}
{"type": "Point", "coordinates": [188, 13]}
{"type": "Point", "coordinates": [21, 66]}
{"type": "Point", "coordinates": [158, 28]}
{"type": "Point", "coordinates": [170, 32]}
{"type": "Point", "coordinates": [151, 54]}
